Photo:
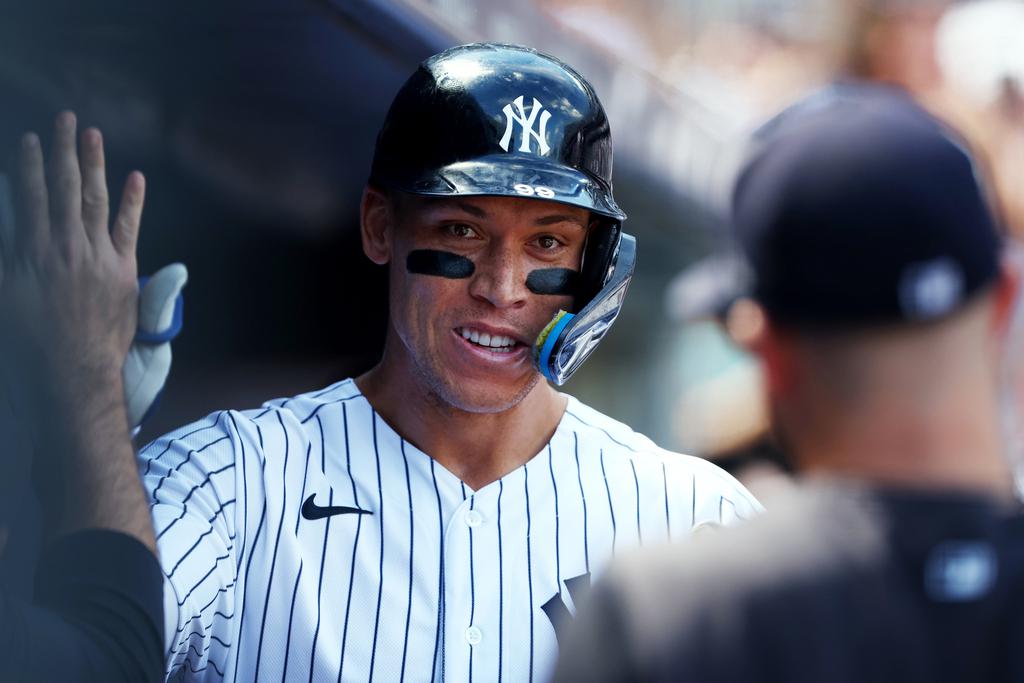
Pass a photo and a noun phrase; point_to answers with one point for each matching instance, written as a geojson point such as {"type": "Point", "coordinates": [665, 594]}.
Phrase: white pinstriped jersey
{"type": "Point", "coordinates": [437, 583]}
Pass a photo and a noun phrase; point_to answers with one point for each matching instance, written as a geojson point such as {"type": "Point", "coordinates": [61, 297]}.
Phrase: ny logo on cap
{"type": "Point", "coordinates": [931, 289]}
{"type": "Point", "coordinates": [518, 115]}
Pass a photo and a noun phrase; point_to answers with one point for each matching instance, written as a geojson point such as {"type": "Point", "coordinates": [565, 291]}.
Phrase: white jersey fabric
{"type": "Point", "coordinates": [435, 581]}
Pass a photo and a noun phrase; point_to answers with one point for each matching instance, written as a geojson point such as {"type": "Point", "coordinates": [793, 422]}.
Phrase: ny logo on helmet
{"type": "Point", "coordinates": [518, 115]}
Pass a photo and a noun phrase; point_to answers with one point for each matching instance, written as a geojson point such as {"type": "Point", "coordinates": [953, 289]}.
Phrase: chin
{"type": "Point", "coordinates": [481, 397]}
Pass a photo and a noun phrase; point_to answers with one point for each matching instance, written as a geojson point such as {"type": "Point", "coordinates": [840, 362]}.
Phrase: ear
{"type": "Point", "coordinates": [376, 224]}
{"type": "Point", "coordinates": [1007, 288]}
{"type": "Point", "coordinates": [775, 347]}
{"type": "Point", "coordinates": [744, 320]}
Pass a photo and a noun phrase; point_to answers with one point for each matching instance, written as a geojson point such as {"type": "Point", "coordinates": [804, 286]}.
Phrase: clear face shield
{"type": "Point", "coordinates": [570, 338]}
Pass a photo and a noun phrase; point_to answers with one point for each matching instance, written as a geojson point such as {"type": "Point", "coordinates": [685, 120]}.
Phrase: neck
{"type": "Point", "coordinates": [949, 441]}
{"type": "Point", "coordinates": [478, 448]}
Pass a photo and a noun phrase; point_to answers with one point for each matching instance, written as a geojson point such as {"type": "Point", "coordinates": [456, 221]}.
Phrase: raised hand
{"type": "Point", "coordinates": [68, 287]}
{"type": "Point", "coordinates": [68, 309]}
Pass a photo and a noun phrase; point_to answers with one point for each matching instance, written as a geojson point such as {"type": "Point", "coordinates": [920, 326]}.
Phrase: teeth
{"type": "Point", "coordinates": [497, 342]}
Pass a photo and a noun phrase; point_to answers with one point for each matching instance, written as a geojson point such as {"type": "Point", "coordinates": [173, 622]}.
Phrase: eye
{"type": "Point", "coordinates": [460, 230]}
{"type": "Point", "coordinates": [548, 242]}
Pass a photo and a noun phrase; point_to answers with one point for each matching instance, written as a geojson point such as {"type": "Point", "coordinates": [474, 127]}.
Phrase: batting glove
{"type": "Point", "coordinates": [149, 358]}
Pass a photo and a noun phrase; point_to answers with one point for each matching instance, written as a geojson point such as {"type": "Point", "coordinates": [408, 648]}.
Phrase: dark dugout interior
{"type": "Point", "coordinates": [254, 124]}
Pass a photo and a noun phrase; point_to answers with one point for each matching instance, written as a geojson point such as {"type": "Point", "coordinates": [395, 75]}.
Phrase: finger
{"type": "Point", "coordinates": [66, 188]}
{"type": "Point", "coordinates": [125, 233]}
{"type": "Point", "coordinates": [34, 232]}
{"type": "Point", "coordinates": [95, 202]}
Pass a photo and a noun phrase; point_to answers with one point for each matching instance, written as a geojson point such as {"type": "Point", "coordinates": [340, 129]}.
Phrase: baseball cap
{"type": "Point", "coordinates": [858, 207]}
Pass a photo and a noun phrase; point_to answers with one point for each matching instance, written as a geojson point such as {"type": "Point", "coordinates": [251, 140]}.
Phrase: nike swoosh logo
{"type": "Point", "coordinates": [311, 510]}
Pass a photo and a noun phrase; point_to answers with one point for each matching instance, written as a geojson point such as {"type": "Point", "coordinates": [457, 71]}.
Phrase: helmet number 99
{"type": "Point", "coordinates": [534, 190]}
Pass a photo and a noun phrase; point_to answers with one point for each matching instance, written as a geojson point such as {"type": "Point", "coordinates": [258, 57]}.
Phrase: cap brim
{"type": "Point", "coordinates": [509, 176]}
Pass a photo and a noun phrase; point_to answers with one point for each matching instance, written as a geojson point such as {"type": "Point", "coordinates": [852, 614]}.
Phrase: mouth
{"type": "Point", "coordinates": [487, 341]}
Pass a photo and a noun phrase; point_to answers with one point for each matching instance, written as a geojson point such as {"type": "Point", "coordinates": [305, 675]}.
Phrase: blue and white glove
{"type": "Point", "coordinates": [149, 358]}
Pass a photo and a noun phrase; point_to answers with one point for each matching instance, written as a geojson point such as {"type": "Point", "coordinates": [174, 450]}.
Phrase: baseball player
{"type": "Point", "coordinates": [878, 264]}
{"type": "Point", "coordinates": [439, 517]}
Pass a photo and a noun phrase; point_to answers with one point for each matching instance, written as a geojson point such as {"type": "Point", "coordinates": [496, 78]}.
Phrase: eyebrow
{"type": "Point", "coordinates": [560, 218]}
{"type": "Point", "coordinates": [473, 210]}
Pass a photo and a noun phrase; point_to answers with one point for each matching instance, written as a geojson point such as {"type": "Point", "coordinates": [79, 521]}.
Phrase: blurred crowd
{"type": "Point", "coordinates": [963, 60]}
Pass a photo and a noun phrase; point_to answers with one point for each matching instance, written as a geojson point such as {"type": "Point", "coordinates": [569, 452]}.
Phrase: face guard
{"type": "Point", "coordinates": [570, 338]}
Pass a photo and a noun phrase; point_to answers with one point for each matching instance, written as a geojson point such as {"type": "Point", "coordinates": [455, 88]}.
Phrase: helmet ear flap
{"type": "Point", "coordinates": [570, 338]}
{"type": "Point", "coordinates": [598, 256]}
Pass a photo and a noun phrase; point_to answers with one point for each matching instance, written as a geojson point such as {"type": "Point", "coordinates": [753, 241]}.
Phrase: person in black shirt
{"type": "Point", "coordinates": [68, 297]}
{"type": "Point", "coordinates": [880, 271]}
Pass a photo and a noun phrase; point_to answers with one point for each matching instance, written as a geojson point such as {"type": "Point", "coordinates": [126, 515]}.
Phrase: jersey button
{"type": "Point", "coordinates": [473, 635]}
{"type": "Point", "coordinates": [474, 518]}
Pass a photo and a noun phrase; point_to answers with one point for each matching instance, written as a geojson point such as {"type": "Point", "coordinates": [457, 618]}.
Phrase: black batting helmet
{"type": "Point", "coordinates": [504, 120]}
{"type": "Point", "coordinates": [490, 119]}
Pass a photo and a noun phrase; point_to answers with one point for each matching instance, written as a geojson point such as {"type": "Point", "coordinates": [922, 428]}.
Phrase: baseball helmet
{"type": "Point", "coordinates": [504, 120]}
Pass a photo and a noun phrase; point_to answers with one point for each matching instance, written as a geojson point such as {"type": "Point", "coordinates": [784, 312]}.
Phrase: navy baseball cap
{"type": "Point", "coordinates": [858, 207]}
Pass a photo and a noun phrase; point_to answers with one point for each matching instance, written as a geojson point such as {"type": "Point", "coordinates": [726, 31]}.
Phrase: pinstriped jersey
{"type": "Point", "coordinates": [309, 541]}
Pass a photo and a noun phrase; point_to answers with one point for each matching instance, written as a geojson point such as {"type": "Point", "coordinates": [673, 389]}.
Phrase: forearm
{"type": "Point", "coordinates": [90, 479]}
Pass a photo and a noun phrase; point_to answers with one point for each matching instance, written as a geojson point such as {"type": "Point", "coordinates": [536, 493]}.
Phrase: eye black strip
{"type": "Point", "coordinates": [553, 281]}
{"type": "Point", "coordinates": [439, 263]}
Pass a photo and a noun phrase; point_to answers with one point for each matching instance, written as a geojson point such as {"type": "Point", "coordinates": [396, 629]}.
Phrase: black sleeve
{"type": "Point", "coordinates": [97, 614]}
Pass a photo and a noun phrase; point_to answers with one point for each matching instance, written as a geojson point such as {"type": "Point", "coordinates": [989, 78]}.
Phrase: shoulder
{"type": "Point", "coordinates": [704, 485]}
{"type": "Point", "coordinates": [304, 408]}
{"type": "Point", "coordinates": [256, 428]}
{"type": "Point", "coordinates": [808, 556]}
{"type": "Point", "coordinates": [600, 430]}
{"type": "Point", "coordinates": [809, 545]}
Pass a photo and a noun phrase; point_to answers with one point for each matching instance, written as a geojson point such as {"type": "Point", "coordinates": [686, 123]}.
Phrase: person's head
{"type": "Point", "coordinates": [892, 42]}
{"type": "Point", "coordinates": [490, 201]}
{"type": "Point", "coordinates": [876, 260]}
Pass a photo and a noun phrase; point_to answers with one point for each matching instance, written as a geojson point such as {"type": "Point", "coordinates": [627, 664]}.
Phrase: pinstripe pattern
{"type": "Point", "coordinates": [323, 552]}
{"type": "Point", "coordinates": [295, 590]}
{"type": "Point", "coordinates": [583, 500]}
{"type": "Point", "coordinates": [380, 524]}
{"type": "Point", "coordinates": [472, 593]}
{"type": "Point", "coordinates": [257, 592]}
{"type": "Point", "coordinates": [531, 612]}
{"type": "Point", "coordinates": [355, 544]}
{"type": "Point", "coordinates": [412, 565]}
{"type": "Point", "coordinates": [440, 578]}
{"type": "Point", "coordinates": [273, 560]}
{"type": "Point", "coordinates": [554, 489]}
{"type": "Point", "coordinates": [501, 587]}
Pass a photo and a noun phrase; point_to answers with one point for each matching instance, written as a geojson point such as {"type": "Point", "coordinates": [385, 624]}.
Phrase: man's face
{"type": "Point", "coordinates": [469, 338]}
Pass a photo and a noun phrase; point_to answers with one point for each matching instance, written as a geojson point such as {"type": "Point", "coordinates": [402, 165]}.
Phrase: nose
{"type": "Point", "coordinates": [500, 278]}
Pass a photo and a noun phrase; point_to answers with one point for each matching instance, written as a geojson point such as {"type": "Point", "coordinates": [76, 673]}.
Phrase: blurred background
{"type": "Point", "coordinates": [254, 122]}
